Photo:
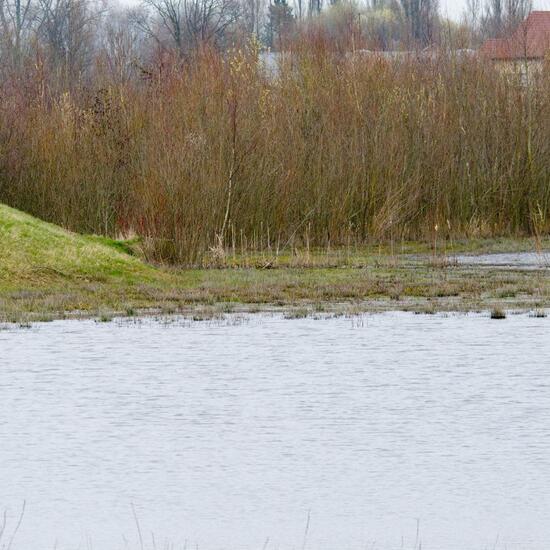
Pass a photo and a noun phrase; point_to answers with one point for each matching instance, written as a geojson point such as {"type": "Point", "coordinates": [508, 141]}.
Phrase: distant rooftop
{"type": "Point", "coordinates": [531, 40]}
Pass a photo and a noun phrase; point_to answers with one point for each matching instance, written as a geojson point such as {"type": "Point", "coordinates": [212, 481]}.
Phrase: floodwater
{"type": "Point", "coordinates": [386, 431]}
{"type": "Point", "coordinates": [519, 260]}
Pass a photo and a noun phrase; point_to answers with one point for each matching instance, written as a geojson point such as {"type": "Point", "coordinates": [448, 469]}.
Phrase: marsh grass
{"type": "Point", "coordinates": [498, 314]}
{"type": "Point", "coordinates": [49, 273]}
{"type": "Point", "coordinates": [104, 318]}
{"type": "Point", "coordinates": [539, 314]}
{"type": "Point", "coordinates": [210, 161]}
{"type": "Point", "coordinates": [300, 313]}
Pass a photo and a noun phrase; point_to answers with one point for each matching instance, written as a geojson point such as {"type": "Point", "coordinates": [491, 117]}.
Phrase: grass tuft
{"type": "Point", "coordinates": [498, 313]}
{"type": "Point", "coordinates": [539, 314]}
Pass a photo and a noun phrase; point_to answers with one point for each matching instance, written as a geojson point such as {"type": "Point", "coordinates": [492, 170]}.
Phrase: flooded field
{"type": "Point", "coordinates": [520, 260]}
{"type": "Point", "coordinates": [384, 431]}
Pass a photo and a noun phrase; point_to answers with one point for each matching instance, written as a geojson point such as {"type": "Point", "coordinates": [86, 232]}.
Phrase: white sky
{"type": "Point", "coordinates": [450, 8]}
{"type": "Point", "coordinates": [454, 8]}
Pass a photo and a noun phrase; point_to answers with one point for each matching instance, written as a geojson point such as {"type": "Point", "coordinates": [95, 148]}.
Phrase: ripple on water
{"type": "Point", "coordinates": [224, 434]}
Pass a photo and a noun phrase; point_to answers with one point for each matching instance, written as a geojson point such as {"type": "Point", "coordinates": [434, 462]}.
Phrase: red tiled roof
{"type": "Point", "coordinates": [531, 40]}
{"type": "Point", "coordinates": [495, 48]}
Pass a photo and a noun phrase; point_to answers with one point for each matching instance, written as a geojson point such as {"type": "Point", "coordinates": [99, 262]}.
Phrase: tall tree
{"type": "Point", "coordinates": [472, 13]}
{"type": "Point", "coordinates": [67, 29]}
{"type": "Point", "coordinates": [279, 21]}
{"type": "Point", "coordinates": [501, 16]}
{"type": "Point", "coordinates": [421, 18]}
{"type": "Point", "coordinates": [16, 17]}
{"type": "Point", "coordinates": [121, 44]}
{"type": "Point", "coordinates": [253, 12]}
{"type": "Point", "coordinates": [192, 22]}
{"type": "Point", "coordinates": [314, 7]}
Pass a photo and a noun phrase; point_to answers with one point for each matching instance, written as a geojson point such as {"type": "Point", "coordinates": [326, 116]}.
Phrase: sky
{"type": "Point", "coordinates": [451, 8]}
{"type": "Point", "coordinates": [454, 8]}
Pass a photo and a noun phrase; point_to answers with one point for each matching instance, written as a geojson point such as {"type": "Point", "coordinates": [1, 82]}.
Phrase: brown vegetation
{"type": "Point", "coordinates": [213, 153]}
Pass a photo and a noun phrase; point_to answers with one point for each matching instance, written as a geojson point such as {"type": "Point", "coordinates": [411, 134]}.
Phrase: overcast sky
{"type": "Point", "coordinates": [454, 8]}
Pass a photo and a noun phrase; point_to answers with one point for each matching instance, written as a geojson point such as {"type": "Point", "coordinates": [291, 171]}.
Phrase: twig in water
{"type": "Point", "coordinates": [417, 532]}
{"type": "Point", "coordinates": [306, 530]}
{"type": "Point", "coordinates": [138, 527]}
{"type": "Point", "coordinates": [3, 525]}
{"type": "Point", "coordinates": [18, 525]}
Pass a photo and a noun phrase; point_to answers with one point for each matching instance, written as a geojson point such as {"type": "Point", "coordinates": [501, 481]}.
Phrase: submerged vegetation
{"type": "Point", "coordinates": [210, 155]}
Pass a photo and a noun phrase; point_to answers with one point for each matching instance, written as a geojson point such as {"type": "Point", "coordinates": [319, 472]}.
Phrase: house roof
{"type": "Point", "coordinates": [531, 40]}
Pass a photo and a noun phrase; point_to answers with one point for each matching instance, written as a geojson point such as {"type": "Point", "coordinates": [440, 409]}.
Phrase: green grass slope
{"type": "Point", "coordinates": [36, 251]}
{"type": "Point", "coordinates": [46, 271]}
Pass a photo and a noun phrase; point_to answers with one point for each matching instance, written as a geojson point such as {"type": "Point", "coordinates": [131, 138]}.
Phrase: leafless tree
{"type": "Point", "coordinates": [421, 18]}
{"type": "Point", "coordinates": [167, 18]}
{"type": "Point", "coordinates": [67, 30]}
{"type": "Point", "coordinates": [314, 7]}
{"type": "Point", "coordinates": [299, 8]}
{"type": "Point", "coordinates": [472, 16]}
{"type": "Point", "coordinates": [192, 22]}
{"type": "Point", "coordinates": [208, 20]}
{"type": "Point", "coordinates": [122, 44]}
{"type": "Point", "coordinates": [16, 18]}
{"type": "Point", "coordinates": [500, 16]}
{"type": "Point", "coordinates": [382, 24]}
{"type": "Point", "coordinates": [472, 13]}
{"type": "Point", "coordinates": [517, 10]}
{"type": "Point", "coordinates": [253, 12]}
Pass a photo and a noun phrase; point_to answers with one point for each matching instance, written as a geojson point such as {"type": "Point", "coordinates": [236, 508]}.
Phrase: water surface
{"type": "Point", "coordinates": [226, 435]}
{"type": "Point", "coordinates": [520, 260]}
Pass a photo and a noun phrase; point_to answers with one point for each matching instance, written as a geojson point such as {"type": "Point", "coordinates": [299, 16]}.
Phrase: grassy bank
{"type": "Point", "coordinates": [47, 272]}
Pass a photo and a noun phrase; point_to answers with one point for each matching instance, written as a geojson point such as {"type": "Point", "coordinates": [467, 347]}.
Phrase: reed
{"type": "Point", "coordinates": [213, 156]}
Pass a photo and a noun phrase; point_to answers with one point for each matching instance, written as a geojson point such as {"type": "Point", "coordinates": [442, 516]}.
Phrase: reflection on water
{"type": "Point", "coordinates": [225, 434]}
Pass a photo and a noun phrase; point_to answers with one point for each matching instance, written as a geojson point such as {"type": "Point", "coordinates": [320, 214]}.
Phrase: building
{"type": "Point", "coordinates": [526, 50]}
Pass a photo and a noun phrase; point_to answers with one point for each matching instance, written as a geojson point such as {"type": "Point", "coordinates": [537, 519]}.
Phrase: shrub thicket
{"type": "Point", "coordinates": [216, 152]}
